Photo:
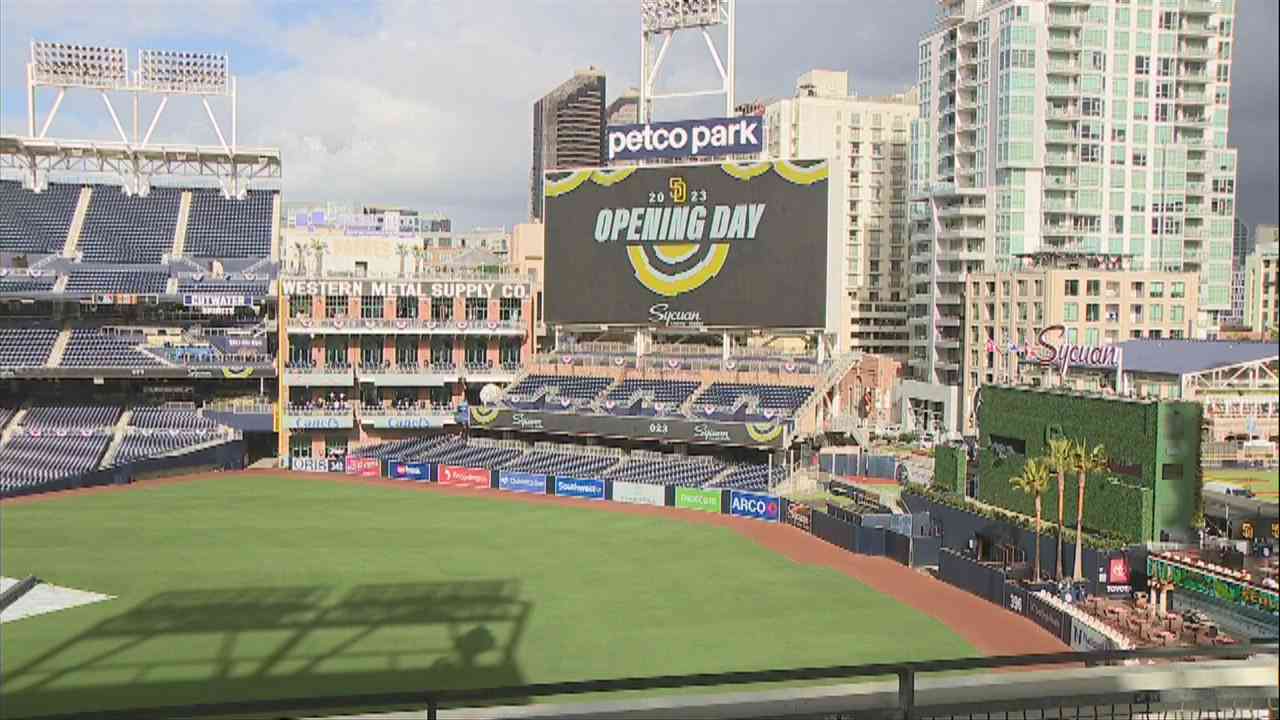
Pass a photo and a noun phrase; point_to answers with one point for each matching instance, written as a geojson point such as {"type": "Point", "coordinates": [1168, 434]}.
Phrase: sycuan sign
{"type": "Point", "coordinates": [1055, 353]}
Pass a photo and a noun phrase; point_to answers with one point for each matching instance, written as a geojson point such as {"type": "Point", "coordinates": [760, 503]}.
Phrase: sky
{"type": "Point", "coordinates": [430, 105]}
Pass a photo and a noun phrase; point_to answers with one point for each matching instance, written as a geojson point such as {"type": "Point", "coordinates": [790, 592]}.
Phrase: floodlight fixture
{"type": "Point", "coordinates": [71, 65]}
{"type": "Point", "coordinates": [660, 20]}
{"type": "Point", "coordinates": [659, 15]}
{"type": "Point", "coordinates": [181, 72]}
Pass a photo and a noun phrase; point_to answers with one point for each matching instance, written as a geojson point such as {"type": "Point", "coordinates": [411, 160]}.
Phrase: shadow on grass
{"type": "Point", "coordinates": [227, 645]}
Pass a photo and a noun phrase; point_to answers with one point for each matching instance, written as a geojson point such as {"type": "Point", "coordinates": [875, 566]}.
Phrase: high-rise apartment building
{"type": "Point", "coordinates": [1262, 289]}
{"type": "Point", "coordinates": [1241, 248]}
{"type": "Point", "coordinates": [568, 130]}
{"type": "Point", "coordinates": [825, 119]}
{"type": "Point", "coordinates": [1095, 128]}
{"type": "Point", "coordinates": [625, 109]}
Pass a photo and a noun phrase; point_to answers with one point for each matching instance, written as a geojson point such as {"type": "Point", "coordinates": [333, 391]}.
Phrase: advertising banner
{"type": "Point", "coordinates": [576, 488]}
{"type": "Point", "coordinates": [689, 246]}
{"type": "Point", "coordinates": [522, 482]}
{"type": "Point", "coordinates": [308, 464]}
{"type": "Point", "coordinates": [754, 505]}
{"type": "Point", "coordinates": [796, 514]}
{"type": "Point", "coordinates": [639, 493]}
{"type": "Point", "coordinates": [364, 466]}
{"type": "Point", "coordinates": [706, 138]}
{"type": "Point", "coordinates": [701, 500]}
{"type": "Point", "coordinates": [1086, 638]}
{"type": "Point", "coordinates": [402, 288]}
{"type": "Point", "coordinates": [706, 432]}
{"type": "Point", "coordinates": [338, 464]}
{"type": "Point", "coordinates": [416, 471]}
{"type": "Point", "coordinates": [477, 478]}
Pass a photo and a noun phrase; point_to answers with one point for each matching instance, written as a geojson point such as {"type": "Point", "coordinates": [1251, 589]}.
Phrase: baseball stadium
{"type": "Point", "coordinates": [259, 463]}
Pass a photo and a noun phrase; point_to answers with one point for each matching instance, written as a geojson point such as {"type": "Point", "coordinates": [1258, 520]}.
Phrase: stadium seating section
{"type": "Point", "coordinates": [36, 223]}
{"type": "Point", "coordinates": [664, 391]}
{"type": "Point", "coordinates": [137, 282]}
{"type": "Point", "coordinates": [222, 228]}
{"type": "Point", "coordinates": [26, 347]}
{"type": "Point", "coordinates": [82, 417]}
{"type": "Point", "coordinates": [92, 348]}
{"type": "Point", "coordinates": [30, 460]}
{"type": "Point", "coordinates": [782, 399]}
{"type": "Point", "coordinates": [236, 287]}
{"type": "Point", "coordinates": [668, 471]}
{"type": "Point", "coordinates": [561, 463]}
{"type": "Point", "coordinates": [27, 284]}
{"type": "Point", "coordinates": [573, 388]}
{"type": "Point", "coordinates": [129, 229]}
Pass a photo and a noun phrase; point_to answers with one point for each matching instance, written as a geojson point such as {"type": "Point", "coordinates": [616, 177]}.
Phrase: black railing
{"type": "Point", "coordinates": [434, 700]}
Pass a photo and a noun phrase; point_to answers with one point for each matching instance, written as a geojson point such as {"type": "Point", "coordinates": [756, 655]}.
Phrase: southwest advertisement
{"type": "Point", "coordinates": [717, 245]}
{"type": "Point", "coordinates": [583, 489]}
{"type": "Point", "coordinates": [706, 432]}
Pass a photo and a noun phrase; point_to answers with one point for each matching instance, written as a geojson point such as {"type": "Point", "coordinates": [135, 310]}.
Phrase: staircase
{"type": "Point", "coordinates": [60, 285]}
{"type": "Point", "coordinates": [59, 349]}
{"type": "Point", "coordinates": [180, 232]}
{"type": "Point", "coordinates": [687, 406]}
{"type": "Point", "coordinates": [71, 246]}
{"type": "Point", "coordinates": [117, 439]}
{"type": "Point", "coordinates": [14, 423]}
{"type": "Point", "coordinates": [171, 286]}
{"type": "Point", "coordinates": [840, 366]}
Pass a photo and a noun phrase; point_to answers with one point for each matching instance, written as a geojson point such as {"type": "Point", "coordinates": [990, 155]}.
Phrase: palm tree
{"type": "Point", "coordinates": [1033, 481]}
{"type": "Point", "coordinates": [300, 256]}
{"type": "Point", "coordinates": [403, 251]}
{"type": "Point", "coordinates": [1059, 461]}
{"type": "Point", "coordinates": [318, 247]}
{"type": "Point", "coordinates": [1086, 460]}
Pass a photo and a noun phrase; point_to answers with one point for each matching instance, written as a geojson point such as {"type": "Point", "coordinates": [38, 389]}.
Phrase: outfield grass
{"type": "Point", "coordinates": [264, 587]}
{"type": "Point", "coordinates": [1263, 482]}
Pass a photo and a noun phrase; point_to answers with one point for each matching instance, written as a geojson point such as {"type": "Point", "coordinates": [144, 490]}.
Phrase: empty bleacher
{"type": "Point", "coordinates": [751, 477]}
{"type": "Point", "coordinates": [136, 282]}
{"type": "Point", "coordinates": [26, 347]}
{"type": "Point", "coordinates": [667, 470]}
{"type": "Point", "coordinates": [662, 391]}
{"type": "Point", "coordinates": [583, 389]}
{"type": "Point", "coordinates": [36, 222]}
{"type": "Point", "coordinates": [561, 463]}
{"type": "Point", "coordinates": [26, 284]}
{"type": "Point", "coordinates": [120, 228]}
{"type": "Point", "coordinates": [32, 459]}
{"type": "Point", "coordinates": [155, 418]}
{"type": "Point", "coordinates": [779, 399]}
{"type": "Point", "coordinates": [89, 348]}
{"type": "Point", "coordinates": [226, 228]}
{"type": "Point", "coordinates": [141, 444]}
{"type": "Point", "coordinates": [223, 287]}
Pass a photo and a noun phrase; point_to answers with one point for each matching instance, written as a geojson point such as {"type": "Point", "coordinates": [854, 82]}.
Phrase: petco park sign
{"type": "Point", "coordinates": [711, 137]}
{"type": "Point", "coordinates": [400, 288]}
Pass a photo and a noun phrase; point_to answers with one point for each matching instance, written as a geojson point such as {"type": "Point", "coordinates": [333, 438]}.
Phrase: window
{"type": "Point", "coordinates": [406, 351]}
{"type": "Point", "coordinates": [509, 309]}
{"type": "Point", "coordinates": [442, 351]}
{"type": "Point", "coordinates": [1141, 65]}
{"type": "Point", "coordinates": [300, 353]}
{"type": "Point", "coordinates": [336, 306]}
{"type": "Point", "coordinates": [335, 445]}
{"type": "Point", "coordinates": [1176, 313]}
{"type": "Point", "coordinates": [1178, 290]}
{"type": "Point", "coordinates": [477, 309]}
{"type": "Point", "coordinates": [335, 353]}
{"type": "Point", "coordinates": [300, 306]}
{"type": "Point", "coordinates": [407, 307]}
{"type": "Point", "coordinates": [1093, 288]}
{"type": "Point", "coordinates": [441, 309]}
{"type": "Point", "coordinates": [1071, 312]}
{"type": "Point", "coordinates": [299, 445]}
{"type": "Point", "coordinates": [1071, 288]}
{"type": "Point", "coordinates": [1157, 313]}
{"type": "Point", "coordinates": [371, 350]}
{"type": "Point", "coordinates": [1157, 290]}
{"type": "Point", "coordinates": [509, 352]}
{"type": "Point", "coordinates": [371, 306]}
{"type": "Point", "coordinates": [477, 352]}
{"type": "Point", "coordinates": [1092, 312]}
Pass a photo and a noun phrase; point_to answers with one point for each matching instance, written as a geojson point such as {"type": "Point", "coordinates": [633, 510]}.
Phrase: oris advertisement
{"type": "Point", "coordinates": [694, 246]}
{"type": "Point", "coordinates": [707, 432]}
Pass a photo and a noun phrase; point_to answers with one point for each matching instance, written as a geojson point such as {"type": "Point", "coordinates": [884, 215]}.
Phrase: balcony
{"type": "Point", "coordinates": [1192, 98]}
{"type": "Point", "coordinates": [319, 416]}
{"type": "Point", "coordinates": [404, 326]}
{"type": "Point", "coordinates": [408, 375]}
{"type": "Point", "coordinates": [417, 416]}
{"type": "Point", "coordinates": [1061, 159]}
{"type": "Point", "coordinates": [487, 372]}
{"type": "Point", "coordinates": [301, 375]}
{"type": "Point", "coordinates": [1060, 43]}
{"type": "Point", "coordinates": [1064, 68]}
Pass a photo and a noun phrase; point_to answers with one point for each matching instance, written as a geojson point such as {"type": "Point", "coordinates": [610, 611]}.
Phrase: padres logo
{"type": "Point", "coordinates": [483, 415]}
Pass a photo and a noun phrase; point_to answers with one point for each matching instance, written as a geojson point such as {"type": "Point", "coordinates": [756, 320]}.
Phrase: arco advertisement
{"type": "Point", "coordinates": [639, 493]}
{"type": "Point", "coordinates": [522, 482]}
{"type": "Point", "coordinates": [452, 475]}
{"type": "Point", "coordinates": [700, 500]}
{"type": "Point", "coordinates": [754, 505]}
{"type": "Point", "coordinates": [582, 489]}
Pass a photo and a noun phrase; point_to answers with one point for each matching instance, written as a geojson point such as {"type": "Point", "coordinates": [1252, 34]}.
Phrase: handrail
{"type": "Point", "coordinates": [906, 672]}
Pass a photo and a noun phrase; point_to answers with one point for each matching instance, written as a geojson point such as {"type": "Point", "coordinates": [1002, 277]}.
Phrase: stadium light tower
{"type": "Point", "coordinates": [660, 20]}
{"type": "Point", "coordinates": [164, 73]}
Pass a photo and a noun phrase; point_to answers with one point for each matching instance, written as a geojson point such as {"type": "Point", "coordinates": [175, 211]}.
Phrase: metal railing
{"type": "Point", "coordinates": [906, 673]}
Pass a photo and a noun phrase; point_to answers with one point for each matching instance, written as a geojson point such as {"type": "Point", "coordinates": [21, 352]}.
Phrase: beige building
{"type": "Point", "coordinates": [1261, 278]}
{"type": "Point", "coordinates": [1005, 313]}
{"type": "Point", "coordinates": [825, 119]}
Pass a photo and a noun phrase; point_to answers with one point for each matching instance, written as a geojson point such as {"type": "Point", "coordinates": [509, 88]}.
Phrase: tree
{"type": "Point", "coordinates": [402, 251]}
{"type": "Point", "coordinates": [318, 247]}
{"type": "Point", "coordinates": [300, 256]}
{"type": "Point", "coordinates": [1059, 461]}
{"type": "Point", "coordinates": [1033, 481]}
{"type": "Point", "coordinates": [1086, 460]}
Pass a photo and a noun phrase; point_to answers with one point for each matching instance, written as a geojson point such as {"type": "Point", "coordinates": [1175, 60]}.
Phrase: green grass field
{"type": "Point", "coordinates": [258, 587]}
{"type": "Point", "coordinates": [1263, 482]}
